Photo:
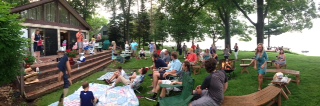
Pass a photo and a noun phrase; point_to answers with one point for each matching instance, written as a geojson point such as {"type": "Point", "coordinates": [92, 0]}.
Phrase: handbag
{"type": "Point", "coordinates": [40, 43]}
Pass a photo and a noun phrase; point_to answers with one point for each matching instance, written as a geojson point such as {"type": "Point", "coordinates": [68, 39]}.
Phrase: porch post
{"type": "Point", "coordinates": [58, 34]}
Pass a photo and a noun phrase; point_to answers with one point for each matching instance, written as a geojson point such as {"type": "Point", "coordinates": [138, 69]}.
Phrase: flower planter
{"type": "Point", "coordinates": [27, 66]}
{"type": "Point", "coordinates": [71, 61]}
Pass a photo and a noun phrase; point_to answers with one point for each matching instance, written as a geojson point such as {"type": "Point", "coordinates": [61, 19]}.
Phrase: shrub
{"type": "Point", "coordinates": [12, 45]}
{"type": "Point", "coordinates": [29, 59]}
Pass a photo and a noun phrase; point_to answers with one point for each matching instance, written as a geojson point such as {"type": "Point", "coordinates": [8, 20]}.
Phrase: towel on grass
{"type": "Point", "coordinates": [117, 96]}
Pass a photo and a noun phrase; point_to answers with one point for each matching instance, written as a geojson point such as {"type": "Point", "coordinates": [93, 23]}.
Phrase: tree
{"type": "Point", "coordinates": [11, 44]}
{"type": "Point", "coordinates": [115, 29]}
{"type": "Point", "coordinates": [143, 25]}
{"type": "Point", "coordinates": [85, 7]}
{"type": "Point", "coordinates": [17, 3]}
{"type": "Point", "coordinates": [96, 23]}
{"type": "Point", "coordinates": [219, 22]}
{"type": "Point", "coordinates": [125, 6]}
{"type": "Point", "coordinates": [160, 26]}
{"type": "Point", "coordinates": [181, 23]}
{"type": "Point", "coordinates": [295, 15]}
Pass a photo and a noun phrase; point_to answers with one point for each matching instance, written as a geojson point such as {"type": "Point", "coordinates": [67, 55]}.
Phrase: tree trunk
{"type": "Point", "coordinates": [268, 38]}
{"type": "Point", "coordinates": [260, 22]}
{"type": "Point", "coordinates": [227, 40]}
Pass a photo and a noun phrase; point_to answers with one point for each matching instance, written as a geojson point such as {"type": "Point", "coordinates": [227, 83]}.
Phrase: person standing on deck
{"type": "Point", "coordinates": [80, 37]}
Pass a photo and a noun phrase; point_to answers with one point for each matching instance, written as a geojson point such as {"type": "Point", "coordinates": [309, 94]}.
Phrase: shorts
{"type": "Point", "coordinates": [142, 55]}
{"type": "Point", "coordinates": [37, 48]}
{"type": "Point", "coordinates": [66, 83]}
{"type": "Point", "coordinates": [171, 88]}
{"type": "Point", "coordinates": [204, 100]}
{"type": "Point", "coordinates": [161, 76]}
{"type": "Point", "coordinates": [80, 45]}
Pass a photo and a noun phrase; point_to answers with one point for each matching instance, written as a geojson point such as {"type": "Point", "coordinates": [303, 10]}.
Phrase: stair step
{"type": "Point", "coordinates": [58, 85]}
{"type": "Point", "coordinates": [54, 78]}
{"type": "Point", "coordinates": [54, 64]}
{"type": "Point", "coordinates": [55, 70]}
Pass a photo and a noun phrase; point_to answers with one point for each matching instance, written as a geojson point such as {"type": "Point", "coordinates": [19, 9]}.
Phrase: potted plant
{"type": "Point", "coordinates": [72, 54]}
{"type": "Point", "coordinates": [29, 60]}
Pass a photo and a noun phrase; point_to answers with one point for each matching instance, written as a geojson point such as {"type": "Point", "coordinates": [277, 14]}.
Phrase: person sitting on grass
{"type": "Point", "coordinates": [115, 75]}
{"type": "Point", "coordinates": [142, 54]}
{"type": "Point", "coordinates": [133, 80]}
{"type": "Point", "coordinates": [162, 74]}
{"type": "Point", "coordinates": [211, 92]}
{"type": "Point", "coordinates": [186, 69]}
{"type": "Point", "coordinates": [192, 57]}
{"type": "Point", "coordinates": [86, 96]}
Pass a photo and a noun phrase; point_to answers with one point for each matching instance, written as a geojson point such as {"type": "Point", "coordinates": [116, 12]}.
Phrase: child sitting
{"type": "Point", "coordinates": [142, 54]}
{"type": "Point", "coordinates": [86, 96]}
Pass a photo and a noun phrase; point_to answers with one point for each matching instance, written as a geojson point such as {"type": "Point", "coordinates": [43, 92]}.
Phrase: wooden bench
{"type": "Point", "coordinates": [270, 63]}
{"type": "Point", "coordinates": [286, 71]}
{"type": "Point", "coordinates": [245, 66]}
{"type": "Point", "coordinates": [267, 96]}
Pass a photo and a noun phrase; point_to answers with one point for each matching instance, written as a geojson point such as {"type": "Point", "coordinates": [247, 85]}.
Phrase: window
{"type": "Point", "coordinates": [74, 21]}
{"type": "Point", "coordinates": [33, 13]}
{"type": "Point", "coordinates": [104, 33]}
{"type": "Point", "coordinates": [64, 15]}
{"type": "Point", "coordinates": [50, 12]}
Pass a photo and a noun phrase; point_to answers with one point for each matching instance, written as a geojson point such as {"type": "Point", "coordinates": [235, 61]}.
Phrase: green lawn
{"type": "Point", "coordinates": [306, 94]}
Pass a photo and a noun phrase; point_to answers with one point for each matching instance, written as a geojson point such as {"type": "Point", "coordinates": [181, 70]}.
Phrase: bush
{"type": "Point", "coordinates": [12, 45]}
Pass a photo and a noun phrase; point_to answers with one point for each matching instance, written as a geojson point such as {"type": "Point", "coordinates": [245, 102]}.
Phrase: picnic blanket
{"type": "Point", "coordinates": [108, 75]}
{"type": "Point", "coordinates": [117, 96]}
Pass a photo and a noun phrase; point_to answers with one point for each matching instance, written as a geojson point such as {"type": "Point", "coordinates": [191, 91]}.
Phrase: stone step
{"type": "Point", "coordinates": [54, 64]}
{"type": "Point", "coordinates": [53, 78]}
{"type": "Point", "coordinates": [52, 71]}
{"type": "Point", "coordinates": [59, 85]}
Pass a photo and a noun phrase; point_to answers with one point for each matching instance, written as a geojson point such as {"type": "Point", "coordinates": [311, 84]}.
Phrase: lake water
{"type": "Point", "coordinates": [307, 40]}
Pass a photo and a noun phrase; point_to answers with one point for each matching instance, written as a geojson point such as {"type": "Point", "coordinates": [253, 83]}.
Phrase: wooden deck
{"type": "Point", "coordinates": [49, 73]}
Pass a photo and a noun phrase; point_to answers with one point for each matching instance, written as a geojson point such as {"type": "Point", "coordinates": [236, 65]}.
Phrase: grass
{"type": "Point", "coordinates": [307, 93]}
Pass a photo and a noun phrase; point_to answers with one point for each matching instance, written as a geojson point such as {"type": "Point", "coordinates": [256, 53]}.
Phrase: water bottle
{"type": "Point", "coordinates": [37, 70]}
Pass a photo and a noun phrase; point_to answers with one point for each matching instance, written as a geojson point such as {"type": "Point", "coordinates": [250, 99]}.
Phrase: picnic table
{"type": "Point", "coordinates": [283, 85]}
{"type": "Point", "coordinates": [244, 60]}
{"type": "Point", "coordinates": [286, 71]}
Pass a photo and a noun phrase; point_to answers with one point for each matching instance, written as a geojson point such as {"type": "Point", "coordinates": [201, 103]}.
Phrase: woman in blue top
{"type": "Point", "coordinates": [261, 58]}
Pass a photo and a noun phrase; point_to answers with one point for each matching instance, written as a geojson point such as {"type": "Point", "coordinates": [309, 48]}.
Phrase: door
{"type": "Point", "coordinates": [51, 42]}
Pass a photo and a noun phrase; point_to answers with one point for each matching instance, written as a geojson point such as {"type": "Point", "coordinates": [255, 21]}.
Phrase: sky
{"type": "Point", "coordinates": [297, 41]}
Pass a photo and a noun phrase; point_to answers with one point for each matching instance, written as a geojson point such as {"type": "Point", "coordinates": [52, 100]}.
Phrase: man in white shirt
{"type": "Point", "coordinates": [116, 74]}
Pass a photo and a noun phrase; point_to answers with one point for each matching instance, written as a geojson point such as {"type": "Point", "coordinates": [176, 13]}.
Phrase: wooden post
{"type": "Point", "coordinates": [22, 80]}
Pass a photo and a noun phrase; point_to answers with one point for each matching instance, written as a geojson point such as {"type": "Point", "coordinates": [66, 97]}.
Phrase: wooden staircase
{"type": "Point", "coordinates": [48, 77]}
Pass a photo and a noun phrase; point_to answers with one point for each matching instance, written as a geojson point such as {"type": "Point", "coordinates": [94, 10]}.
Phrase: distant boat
{"type": "Point", "coordinates": [305, 51]}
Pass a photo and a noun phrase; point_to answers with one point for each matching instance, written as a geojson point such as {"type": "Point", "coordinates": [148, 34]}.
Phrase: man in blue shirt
{"type": "Point", "coordinates": [86, 96]}
{"type": "Point", "coordinates": [134, 48]}
{"type": "Point", "coordinates": [64, 74]}
{"type": "Point", "coordinates": [163, 73]}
